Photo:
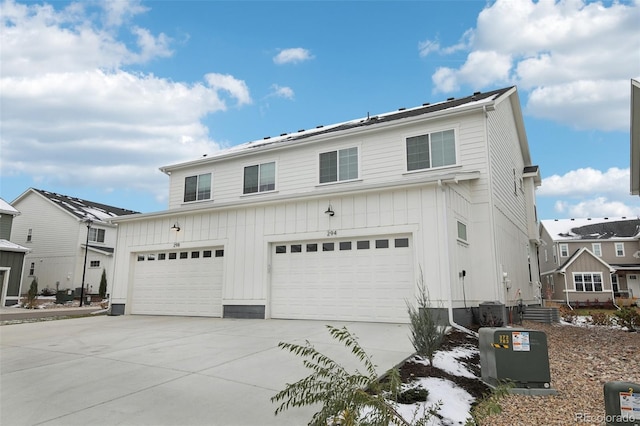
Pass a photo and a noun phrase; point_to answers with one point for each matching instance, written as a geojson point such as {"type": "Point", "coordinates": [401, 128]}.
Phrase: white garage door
{"type": "Point", "coordinates": [187, 282]}
{"type": "Point", "coordinates": [365, 279]}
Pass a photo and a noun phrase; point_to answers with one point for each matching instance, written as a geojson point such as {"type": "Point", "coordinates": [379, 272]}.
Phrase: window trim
{"type": "Point", "coordinates": [406, 138]}
{"type": "Point", "coordinates": [259, 165]}
{"type": "Point", "coordinates": [465, 240]}
{"type": "Point", "coordinates": [563, 249]}
{"type": "Point", "coordinates": [593, 282]}
{"type": "Point", "coordinates": [95, 234]}
{"type": "Point", "coordinates": [619, 248]}
{"type": "Point", "coordinates": [337, 151]}
{"type": "Point", "coordinates": [197, 176]}
{"type": "Point", "coordinates": [596, 248]}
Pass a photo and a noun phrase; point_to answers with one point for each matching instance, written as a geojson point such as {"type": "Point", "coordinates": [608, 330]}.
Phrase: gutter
{"type": "Point", "coordinates": [447, 274]}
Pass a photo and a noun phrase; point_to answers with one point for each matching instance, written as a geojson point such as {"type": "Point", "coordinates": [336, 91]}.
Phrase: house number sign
{"type": "Point", "coordinates": [332, 233]}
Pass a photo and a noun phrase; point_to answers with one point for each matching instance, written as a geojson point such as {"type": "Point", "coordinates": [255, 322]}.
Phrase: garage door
{"type": "Point", "coordinates": [365, 279]}
{"type": "Point", "coordinates": [187, 282]}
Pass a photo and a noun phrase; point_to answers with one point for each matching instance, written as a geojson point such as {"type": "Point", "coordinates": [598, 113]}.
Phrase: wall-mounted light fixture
{"type": "Point", "coordinates": [176, 227]}
{"type": "Point", "coordinates": [330, 211]}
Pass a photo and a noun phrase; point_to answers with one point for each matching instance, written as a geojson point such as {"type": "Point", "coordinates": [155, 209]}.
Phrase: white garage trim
{"type": "Point", "coordinates": [352, 279]}
{"type": "Point", "coordinates": [178, 282]}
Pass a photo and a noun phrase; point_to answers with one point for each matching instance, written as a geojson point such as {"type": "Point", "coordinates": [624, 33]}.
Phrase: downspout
{"type": "Point", "coordinates": [566, 290]}
{"type": "Point", "coordinates": [447, 270]}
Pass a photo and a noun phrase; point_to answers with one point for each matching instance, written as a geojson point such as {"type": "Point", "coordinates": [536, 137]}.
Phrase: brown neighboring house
{"type": "Point", "coordinates": [590, 261]}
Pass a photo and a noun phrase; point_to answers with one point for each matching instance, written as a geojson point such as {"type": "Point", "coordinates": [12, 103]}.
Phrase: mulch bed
{"type": "Point", "coordinates": [411, 370]}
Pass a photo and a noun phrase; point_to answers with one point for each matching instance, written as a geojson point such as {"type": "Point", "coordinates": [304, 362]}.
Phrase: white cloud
{"type": "Point", "coordinates": [578, 53]}
{"type": "Point", "coordinates": [282, 91]}
{"type": "Point", "coordinates": [236, 88]}
{"type": "Point", "coordinates": [292, 56]}
{"type": "Point", "coordinates": [586, 181]}
{"type": "Point", "coordinates": [73, 115]}
{"type": "Point", "coordinates": [596, 207]}
{"type": "Point", "coordinates": [591, 193]}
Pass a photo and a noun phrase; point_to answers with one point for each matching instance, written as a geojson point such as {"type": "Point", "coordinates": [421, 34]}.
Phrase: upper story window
{"type": "Point", "coordinates": [29, 235]}
{"type": "Point", "coordinates": [340, 165]}
{"type": "Point", "coordinates": [619, 249]}
{"type": "Point", "coordinates": [564, 250]}
{"type": "Point", "coordinates": [597, 249]}
{"type": "Point", "coordinates": [431, 150]}
{"type": "Point", "coordinates": [96, 235]}
{"type": "Point", "coordinates": [197, 188]}
{"type": "Point", "coordinates": [259, 178]}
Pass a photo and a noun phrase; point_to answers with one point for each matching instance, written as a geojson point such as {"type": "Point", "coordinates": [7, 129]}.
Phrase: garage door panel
{"type": "Point", "coordinates": [178, 286]}
{"type": "Point", "coordinates": [357, 284]}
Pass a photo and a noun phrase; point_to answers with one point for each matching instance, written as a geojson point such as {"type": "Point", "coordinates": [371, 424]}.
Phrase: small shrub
{"type": "Point", "coordinates": [413, 395]}
{"type": "Point", "coordinates": [600, 318]}
{"type": "Point", "coordinates": [32, 295]}
{"type": "Point", "coordinates": [344, 398]}
{"type": "Point", "coordinates": [103, 285]}
{"type": "Point", "coordinates": [628, 317]}
{"type": "Point", "coordinates": [426, 332]}
{"type": "Point", "coordinates": [567, 314]}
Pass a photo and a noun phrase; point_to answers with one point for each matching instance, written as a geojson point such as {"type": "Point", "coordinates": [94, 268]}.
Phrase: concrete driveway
{"type": "Point", "coordinates": [147, 370]}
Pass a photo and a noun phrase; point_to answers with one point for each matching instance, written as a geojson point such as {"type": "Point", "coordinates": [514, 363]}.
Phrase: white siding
{"type": "Point", "coordinates": [56, 246]}
{"type": "Point", "coordinates": [382, 159]}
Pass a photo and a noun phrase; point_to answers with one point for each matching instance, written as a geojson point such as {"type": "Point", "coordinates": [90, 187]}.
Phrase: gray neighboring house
{"type": "Point", "coordinates": [11, 257]}
{"type": "Point", "coordinates": [584, 261]}
{"type": "Point", "coordinates": [54, 229]}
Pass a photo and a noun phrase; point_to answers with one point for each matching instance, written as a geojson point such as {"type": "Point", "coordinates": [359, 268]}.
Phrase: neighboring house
{"type": "Point", "coordinates": [635, 138]}
{"type": "Point", "coordinates": [11, 257]}
{"type": "Point", "coordinates": [589, 260]}
{"type": "Point", "coordinates": [341, 222]}
{"type": "Point", "coordinates": [54, 228]}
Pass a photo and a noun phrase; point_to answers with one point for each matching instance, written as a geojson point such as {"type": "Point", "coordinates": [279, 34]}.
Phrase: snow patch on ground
{"type": "Point", "coordinates": [455, 402]}
{"type": "Point", "coordinates": [448, 361]}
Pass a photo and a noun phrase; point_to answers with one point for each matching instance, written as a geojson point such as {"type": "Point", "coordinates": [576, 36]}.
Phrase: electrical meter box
{"type": "Point", "coordinates": [515, 356]}
{"type": "Point", "coordinates": [622, 403]}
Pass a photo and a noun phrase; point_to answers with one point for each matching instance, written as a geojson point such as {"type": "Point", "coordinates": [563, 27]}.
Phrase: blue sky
{"type": "Point", "coordinates": [96, 96]}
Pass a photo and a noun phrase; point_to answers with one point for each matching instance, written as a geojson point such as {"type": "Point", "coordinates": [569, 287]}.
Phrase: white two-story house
{"type": "Point", "coordinates": [341, 222]}
{"type": "Point", "coordinates": [55, 228]}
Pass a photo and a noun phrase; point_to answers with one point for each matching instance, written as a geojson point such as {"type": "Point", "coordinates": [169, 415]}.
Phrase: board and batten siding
{"type": "Point", "coordinates": [247, 232]}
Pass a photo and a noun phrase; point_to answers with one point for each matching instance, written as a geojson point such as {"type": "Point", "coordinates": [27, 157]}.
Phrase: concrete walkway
{"type": "Point", "coordinates": [145, 370]}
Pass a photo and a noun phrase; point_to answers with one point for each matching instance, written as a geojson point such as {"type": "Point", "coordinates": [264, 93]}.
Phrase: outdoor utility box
{"type": "Point", "coordinates": [622, 403]}
{"type": "Point", "coordinates": [515, 356]}
{"type": "Point", "coordinates": [492, 314]}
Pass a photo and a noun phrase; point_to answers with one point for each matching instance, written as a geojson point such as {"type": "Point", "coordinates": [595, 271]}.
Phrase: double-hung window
{"type": "Point", "coordinates": [619, 249]}
{"type": "Point", "coordinates": [96, 235]}
{"type": "Point", "coordinates": [259, 178]}
{"type": "Point", "coordinates": [340, 165]}
{"type": "Point", "coordinates": [197, 188]}
{"type": "Point", "coordinates": [564, 250]}
{"type": "Point", "coordinates": [597, 249]}
{"type": "Point", "coordinates": [432, 150]}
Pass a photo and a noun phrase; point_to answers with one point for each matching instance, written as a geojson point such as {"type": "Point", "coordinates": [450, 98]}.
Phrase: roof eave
{"type": "Point", "coordinates": [460, 110]}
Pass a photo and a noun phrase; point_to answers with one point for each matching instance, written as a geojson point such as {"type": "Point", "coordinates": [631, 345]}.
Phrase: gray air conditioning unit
{"type": "Point", "coordinates": [492, 314]}
{"type": "Point", "coordinates": [516, 357]}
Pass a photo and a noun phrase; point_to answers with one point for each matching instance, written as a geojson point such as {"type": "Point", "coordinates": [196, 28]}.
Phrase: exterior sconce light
{"type": "Point", "coordinates": [330, 211]}
{"type": "Point", "coordinates": [176, 227]}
